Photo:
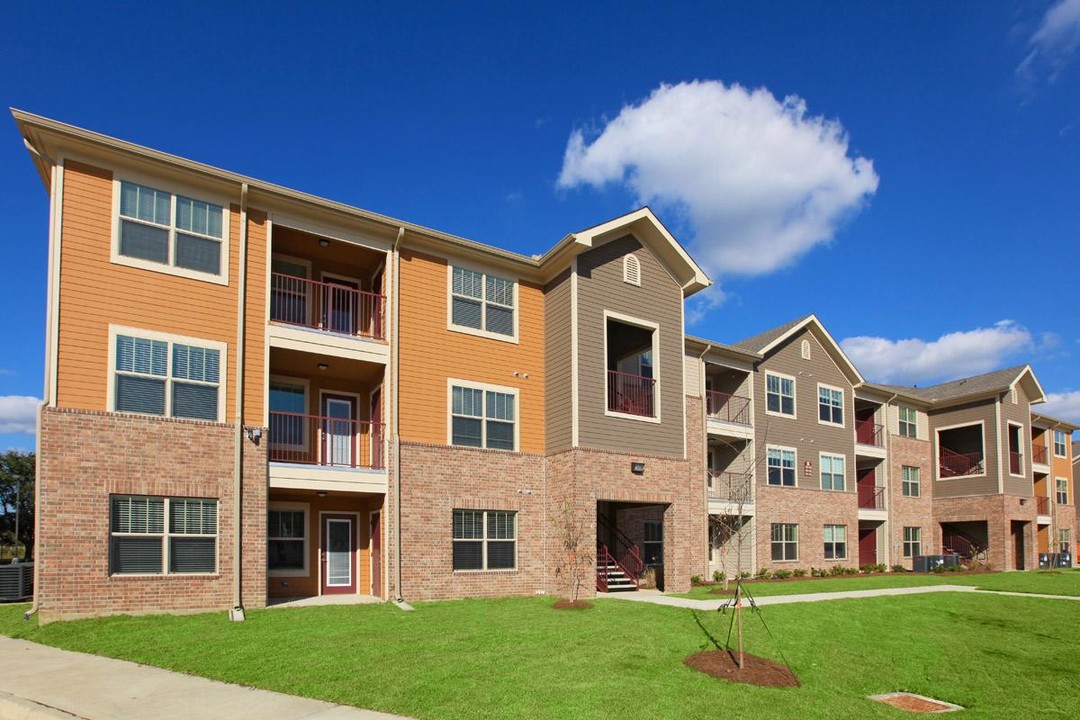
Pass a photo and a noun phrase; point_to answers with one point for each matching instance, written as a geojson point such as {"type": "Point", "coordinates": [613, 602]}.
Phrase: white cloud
{"type": "Point", "coordinates": [759, 181]}
{"type": "Point", "coordinates": [18, 414]}
{"type": "Point", "coordinates": [1054, 42]}
{"type": "Point", "coordinates": [953, 355]}
{"type": "Point", "coordinates": [1064, 405]}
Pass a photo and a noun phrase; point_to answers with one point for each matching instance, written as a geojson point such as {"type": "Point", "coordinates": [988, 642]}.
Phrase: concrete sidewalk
{"type": "Point", "coordinates": [38, 682]}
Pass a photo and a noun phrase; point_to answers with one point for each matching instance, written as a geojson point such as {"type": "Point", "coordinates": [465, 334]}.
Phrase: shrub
{"type": "Point", "coordinates": [762, 573]}
{"type": "Point", "coordinates": [718, 576]}
{"type": "Point", "coordinates": [800, 573]}
{"type": "Point", "coordinates": [744, 574]}
{"type": "Point", "coordinates": [939, 568]}
{"type": "Point", "coordinates": [695, 579]}
{"type": "Point", "coordinates": [899, 569]}
{"type": "Point", "coordinates": [955, 568]}
{"type": "Point", "coordinates": [782, 574]}
{"type": "Point", "coordinates": [818, 572]}
{"type": "Point", "coordinates": [838, 570]}
{"type": "Point", "coordinates": [867, 568]}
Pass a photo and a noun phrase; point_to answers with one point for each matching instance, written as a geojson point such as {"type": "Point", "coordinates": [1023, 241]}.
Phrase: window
{"type": "Point", "coordinates": [912, 541]}
{"type": "Point", "coordinates": [1062, 491]}
{"type": "Point", "coordinates": [1060, 448]}
{"type": "Point", "coordinates": [485, 540]}
{"type": "Point", "coordinates": [142, 542]}
{"type": "Point", "coordinates": [631, 270]}
{"type": "Point", "coordinates": [482, 418]}
{"type": "Point", "coordinates": [780, 394]}
{"type": "Point", "coordinates": [288, 414]}
{"type": "Point", "coordinates": [909, 485]}
{"type": "Point", "coordinates": [482, 302]}
{"type": "Point", "coordinates": [781, 465]}
{"type": "Point", "coordinates": [653, 547]}
{"type": "Point", "coordinates": [158, 227]}
{"type": "Point", "coordinates": [785, 542]}
{"type": "Point", "coordinates": [908, 422]}
{"type": "Point", "coordinates": [1065, 540]}
{"type": "Point", "coordinates": [832, 472]}
{"type": "Point", "coordinates": [159, 376]}
{"type": "Point", "coordinates": [286, 537]}
{"type": "Point", "coordinates": [835, 542]}
{"type": "Point", "coordinates": [830, 405]}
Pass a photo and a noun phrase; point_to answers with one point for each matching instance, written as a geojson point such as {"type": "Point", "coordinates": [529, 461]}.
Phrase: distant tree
{"type": "Point", "coordinates": [17, 499]}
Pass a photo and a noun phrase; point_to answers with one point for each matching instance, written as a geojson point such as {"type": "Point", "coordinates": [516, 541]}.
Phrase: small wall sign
{"type": "Point", "coordinates": [807, 469]}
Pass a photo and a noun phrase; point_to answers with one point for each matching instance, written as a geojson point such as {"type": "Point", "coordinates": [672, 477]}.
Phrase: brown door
{"type": "Point", "coordinates": [865, 481]}
{"type": "Point", "coordinates": [868, 546]}
{"type": "Point", "coordinates": [376, 554]}
{"type": "Point", "coordinates": [1018, 545]}
{"type": "Point", "coordinates": [338, 554]}
{"type": "Point", "coordinates": [376, 429]}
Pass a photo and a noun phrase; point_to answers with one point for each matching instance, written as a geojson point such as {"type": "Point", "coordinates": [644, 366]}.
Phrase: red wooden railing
{"type": "Point", "coordinates": [735, 487]}
{"type": "Point", "coordinates": [954, 464]}
{"type": "Point", "coordinates": [1038, 454]}
{"type": "Point", "coordinates": [326, 441]}
{"type": "Point", "coordinates": [1016, 462]}
{"type": "Point", "coordinates": [727, 407]}
{"type": "Point", "coordinates": [329, 307]}
{"type": "Point", "coordinates": [871, 497]}
{"type": "Point", "coordinates": [1042, 505]}
{"type": "Point", "coordinates": [869, 432]}
{"type": "Point", "coordinates": [630, 394]}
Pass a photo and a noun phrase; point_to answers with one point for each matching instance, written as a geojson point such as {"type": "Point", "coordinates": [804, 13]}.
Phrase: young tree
{"type": "Point", "coordinates": [575, 562]}
{"type": "Point", "coordinates": [17, 499]}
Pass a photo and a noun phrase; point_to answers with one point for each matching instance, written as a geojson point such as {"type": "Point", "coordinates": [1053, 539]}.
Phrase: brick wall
{"type": "Point", "coordinates": [85, 457]}
{"type": "Point", "coordinates": [998, 511]}
{"type": "Point", "coordinates": [811, 510]}
{"type": "Point", "coordinates": [908, 511]}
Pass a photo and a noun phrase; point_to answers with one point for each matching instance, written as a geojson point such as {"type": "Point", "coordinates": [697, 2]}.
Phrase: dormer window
{"type": "Point", "coordinates": [632, 270]}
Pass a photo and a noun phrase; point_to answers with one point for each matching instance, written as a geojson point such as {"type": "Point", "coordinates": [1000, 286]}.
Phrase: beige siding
{"type": "Point", "coordinates": [558, 364]}
{"type": "Point", "coordinates": [692, 367]}
{"type": "Point", "coordinates": [658, 300]}
{"type": "Point", "coordinates": [966, 415]}
{"type": "Point", "coordinates": [805, 433]}
{"type": "Point", "coordinates": [922, 422]}
{"type": "Point", "coordinates": [1019, 413]}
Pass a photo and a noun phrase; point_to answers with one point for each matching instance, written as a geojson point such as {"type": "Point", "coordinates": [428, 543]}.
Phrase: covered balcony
{"type": "Point", "coordinates": [960, 452]}
{"type": "Point", "coordinates": [631, 387]}
{"type": "Point", "coordinates": [871, 496]}
{"type": "Point", "coordinates": [728, 407]}
{"type": "Point", "coordinates": [730, 478]}
{"type": "Point", "coordinates": [869, 427]}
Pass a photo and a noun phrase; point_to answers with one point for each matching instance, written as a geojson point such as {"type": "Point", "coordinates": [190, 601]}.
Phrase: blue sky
{"type": "Point", "coordinates": [907, 171]}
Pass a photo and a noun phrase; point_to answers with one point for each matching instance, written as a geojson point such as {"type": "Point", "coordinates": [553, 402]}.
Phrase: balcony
{"type": "Point", "coordinates": [733, 487]}
{"type": "Point", "coordinates": [871, 497]}
{"type": "Point", "coordinates": [326, 306]}
{"type": "Point", "coordinates": [1016, 463]}
{"type": "Point", "coordinates": [870, 433]}
{"type": "Point", "coordinates": [1039, 455]}
{"type": "Point", "coordinates": [332, 442]}
{"type": "Point", "coordinates": [1042, 506]}
{"type": "Point", "coordinates": [726, 407]}
{"type": "Point", "coordinates": [955, 464]}
{"type": "Point", "coordinates": [631, 394]}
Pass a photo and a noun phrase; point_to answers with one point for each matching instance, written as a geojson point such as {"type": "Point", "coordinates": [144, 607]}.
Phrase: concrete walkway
{"type": "Point", "coordinates": [38, 682]}
{"type": "Point", "coordinates": [657, 598]}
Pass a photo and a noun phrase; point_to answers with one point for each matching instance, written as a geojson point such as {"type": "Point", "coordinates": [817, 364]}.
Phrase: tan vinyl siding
{"type": "Point", "coordinates": [692, 367]}
{"type": "Point", "coordinates": [1020, 413]}
{"type": "Point", "coordinates": [558, 363]}
{"type": "Point", "coordinates": [658, 300]}
{"type": "Point", "coordinates": [430, 353]}
{"type": "Point", "coordinates": [968, 414]}
{"type": "Point", "coordinates": [804, 433]}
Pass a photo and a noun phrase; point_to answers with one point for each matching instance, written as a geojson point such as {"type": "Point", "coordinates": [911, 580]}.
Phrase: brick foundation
{"type": "Point", "coordinates": [998, 512]}
{"type": "Point", "coordinates": [910, 511]}
{"type": "Point", "coordinates": [811, 510]}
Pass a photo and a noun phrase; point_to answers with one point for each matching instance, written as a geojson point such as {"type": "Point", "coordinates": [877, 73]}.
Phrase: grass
{"type": "Point", "coordinates": [1000, 656]}
{"type": "Point", "coordinates": [1066, 582]}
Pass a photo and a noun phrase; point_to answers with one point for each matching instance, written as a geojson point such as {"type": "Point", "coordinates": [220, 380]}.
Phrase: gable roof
{"type": "Point", "coordinates": [764, 343]}
{"type": "Point", "coordinates": [722, 348]}
{"type": "Point", "coordinates": [974, 386]}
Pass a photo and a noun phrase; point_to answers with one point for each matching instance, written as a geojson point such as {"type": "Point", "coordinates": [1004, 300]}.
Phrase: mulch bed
{"type": "Point", "coordinates": [575, 605]}
{"type": "Point", "coordinates": [757, 581]}
{"type": "Point", "coordinates": [914, 703]}
{"type": "Point", "coordinates": [755, 671]}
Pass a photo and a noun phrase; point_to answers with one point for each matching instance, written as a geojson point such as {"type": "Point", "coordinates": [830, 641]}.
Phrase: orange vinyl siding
{"type": "Point", "coordinates": [256, 315]}
{"type": "Point", "coordinates": [1062, 467]}
{"type": "Point", "coordinates": [94, 293]}
{"type": "Point", "coordinates": [430, 353]}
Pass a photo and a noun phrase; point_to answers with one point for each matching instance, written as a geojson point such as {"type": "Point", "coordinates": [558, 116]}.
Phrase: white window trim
{"type": "Point", "coordinates": [843, 406]}
{"type": "Point", "coordinates": [480, 331]}
{"type": "Point", "coordinates": [1023, 456]}
{"type": "Point", "coordinates": [647, 325]}
{"type": "Point", "coordinates": [795, 468]}
{"type": "Point", "coordinates": [1067, 493]}
{"type": "Point", "coordinates": [937, 451]}
{"type": "Point", "coordinates": [173, 189]}
{"type": "Point", "coordinates": [451, 383]}
{"type": "Point", "coordinates": [1053, 440]}
{"type": "Point", "coordinates": [306, 385]}
{"type": "Point", "coordinates": [798, 543]}
{"type": "Point", "coordinates": [794, 396]}
{"type": "Point", "coordinates": [918, 483]}
{"type": "Point", "coordinates": [905, 543]}
{"type": "Point", "coordinates": [306, 509]}
{"type": "Point", "coordinates": [483, 541]}
{"type": "Point", "coordinates": [628, 276]}
{"type": "Point", "coordinates": [222, 348]}
{"type": "Point", "coordinates": [834, 541]}
{"type": "Point", "coordinates": [166, 535]}
{"type": "Point", "coordinates": [821, 465]}
{"type": "Point", "coordinates": [899, 420]}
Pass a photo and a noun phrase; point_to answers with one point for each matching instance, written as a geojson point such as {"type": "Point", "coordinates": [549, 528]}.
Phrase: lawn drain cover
{"type": "Point", "coordinates": [916, 703]}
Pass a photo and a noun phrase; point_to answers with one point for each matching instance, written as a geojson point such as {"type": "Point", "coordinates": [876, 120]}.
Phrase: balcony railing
{"type": "Point", "coordinates": [869, 432]}
{"type": "Point", "coordinates": [325, 441]}
{"type": "Point", "coordinates": [734, 487]}
{"type": "Point", "coordinates": [630, 394]}
{"type": "Point", "coordinates": [727, 407]}
{"type": "Point", "coordinates": [1038, 454]}
{"type": "Point", "coordinates": [1016, 463]}
{"type": "Point", "coordinates": [1042, 505]}
{"type": "Point", "coordinates": [954, 464]}
{"type": "Point", "coordinates": [329, 307]}
{"type": "Point", "coordinates": [871, 497]}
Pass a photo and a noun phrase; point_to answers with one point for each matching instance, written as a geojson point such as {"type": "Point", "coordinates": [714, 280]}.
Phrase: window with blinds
{"type": "Point", "coordinates": [485, 540]}
{"type": "Point", "coordinates": [159, 227]}
{"type": "Point", "coordinates": [482, 418]}
{"type": "Point", "coordinates": [143, 543]}
{"type": "Point", "coordinates": [163, 377]}
{"type": "Point", "coordinates": [286, 536]}
{"type": "Point", "coordinates": [482, 302]}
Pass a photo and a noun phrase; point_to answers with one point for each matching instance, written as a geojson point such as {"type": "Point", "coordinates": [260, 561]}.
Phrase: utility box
{"type": "Point", "coordinates": [16, 582]}
{"type": "Point", "coordinates": [927, 563]}
{"type": "Point", "coordinates": [1048, 561]}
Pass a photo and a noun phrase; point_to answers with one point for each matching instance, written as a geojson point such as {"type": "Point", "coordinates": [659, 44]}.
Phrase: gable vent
{"type": "Point", "coordinates": [631, 270]}
{"type": "Point", "coordinates": [805, 349]}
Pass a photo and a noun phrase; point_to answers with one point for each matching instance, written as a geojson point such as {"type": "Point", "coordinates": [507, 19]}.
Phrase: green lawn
{"type": "Point", "coordinates": [1066, 582]}
{"type": "Point", "coordinates": [1003, 657]}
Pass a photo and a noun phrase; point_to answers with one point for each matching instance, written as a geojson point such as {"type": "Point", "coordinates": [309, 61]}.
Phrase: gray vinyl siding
{"type": "Point", "coordinates": [692, 367]}
{"type": "Point", "coordinates": [964, 415]}
{"type": "Point", "coordinates": [1020, 413]}
{"type": "Point", "coordinates": [659, 300]}
{"type": "Point", "coordinates": [804, 433]}
{"type": "Point", "coordinates": [558, 397]}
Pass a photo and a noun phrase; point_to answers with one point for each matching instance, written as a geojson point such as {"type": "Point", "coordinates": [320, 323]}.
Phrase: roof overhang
{"type": "Point", "coordinates": [814, 326]}
{"type": "Point", "coordinates": [1027, 380]}
{"type": "Point", "coordinates": [1053, 423]}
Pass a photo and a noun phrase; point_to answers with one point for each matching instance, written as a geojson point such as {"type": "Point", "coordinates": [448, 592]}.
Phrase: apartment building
{"type": "Point", "coordinates": [253, 394]}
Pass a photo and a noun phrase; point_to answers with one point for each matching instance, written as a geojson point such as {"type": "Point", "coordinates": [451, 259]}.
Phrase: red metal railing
{"type": "Point", "coordinates": [1042, 505]}
{"type": "Point", "coordinates": [954, 464]}
{"type": "Point", "coordinates": [871, 497]}
{"type": "Point", "coordinates": [959, 545]}
{"type": "Point", "coordinates": [329, 307]}
{"type": "Point", "coordinates": [1016, 462]}
{"type": "Point", "coordinates": [1038, 454]}
{"type": "Point", "coordinates": [604, 560]}
{"type": "Point", "coordinates": [736, 487]}
{"type": "Point", "coordinates": [626, 552]}
{"type": "Point", "coordinates": [326, 441]}
{"type": "Point", "coordinates": [869, 432]}
{"type": "Point", "coordinates": [630, 394]}
{"type": "Point", "coordinates": [727, 407]}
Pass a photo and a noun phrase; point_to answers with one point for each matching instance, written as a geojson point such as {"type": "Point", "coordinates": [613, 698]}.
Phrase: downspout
{"type": "Point", "coordinates": [237, 613]}
{"type": "Point", "coordinates": [395, 372]}
{"type": "Point", "coordinates": [705, 454]}
{"type": "Point", "coordinates": [890, 487]}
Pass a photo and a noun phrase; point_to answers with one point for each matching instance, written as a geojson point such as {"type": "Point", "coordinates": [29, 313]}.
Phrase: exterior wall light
{"type": "Point", "coordinates": [638, 468]}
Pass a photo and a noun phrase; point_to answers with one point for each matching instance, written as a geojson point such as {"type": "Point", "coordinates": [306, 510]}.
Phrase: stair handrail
{"type": "Point", "coordinates": [630, 559]}
{"type": "Point", "coordinates": [609, 559]}
{"type": "Point", "coordinates": [962, 545]}
{"type": "Point", "coordinates": [949, 461]}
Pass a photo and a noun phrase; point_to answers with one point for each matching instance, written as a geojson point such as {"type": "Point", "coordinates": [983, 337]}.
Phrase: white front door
{"type": "Point", "coordinates": [339, 431]}
{"type": "Point", "coordinates": [338, 554]}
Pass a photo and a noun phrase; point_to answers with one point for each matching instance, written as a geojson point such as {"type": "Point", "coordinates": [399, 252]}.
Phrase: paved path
{"type": "Point", "coordinates": [38, 682]}
{"type": "Point", "coordinates": [658, 599]}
